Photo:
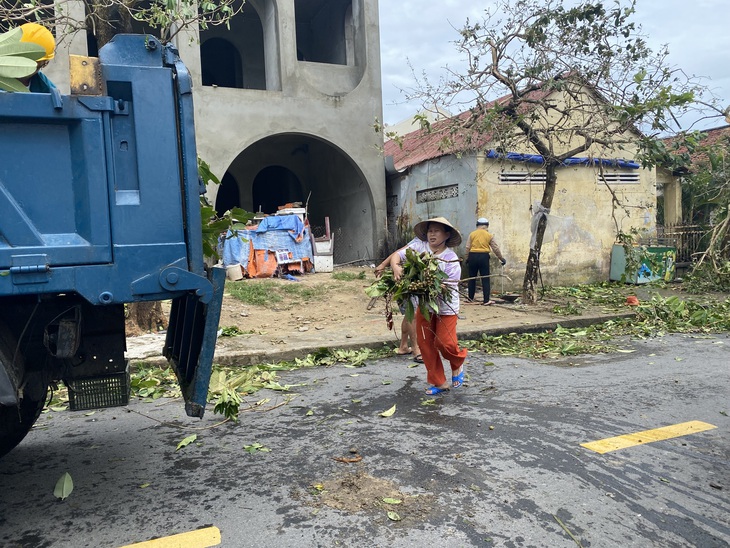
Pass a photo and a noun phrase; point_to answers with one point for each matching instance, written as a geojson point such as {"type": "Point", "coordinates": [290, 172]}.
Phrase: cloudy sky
{"type": "Point", "coordinates": [422, 31]}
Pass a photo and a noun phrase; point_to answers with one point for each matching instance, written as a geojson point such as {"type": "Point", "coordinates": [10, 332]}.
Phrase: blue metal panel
{"type": "Point", "coordinates": [146, 195]}
{"type": "Point", "coordinates": [118, 186]}
{"type": "Point", "coordinates": [100, 198]}
{"type": "Point", "coordinates": [190, 343]}
{"type": "Point", "coordinates": [53, 198]}
{"type": "Point", "coordinates": [193, 225]}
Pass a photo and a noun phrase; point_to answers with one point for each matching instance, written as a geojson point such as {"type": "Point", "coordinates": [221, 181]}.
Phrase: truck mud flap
{"type": "Point", "coordinates": [190, 342]}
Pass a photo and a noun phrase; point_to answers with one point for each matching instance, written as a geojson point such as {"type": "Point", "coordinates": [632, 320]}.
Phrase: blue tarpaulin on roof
{"type": "Point", "coordinates": [291, 223]}
{"type": "Point", "coordinates": [538, 159]}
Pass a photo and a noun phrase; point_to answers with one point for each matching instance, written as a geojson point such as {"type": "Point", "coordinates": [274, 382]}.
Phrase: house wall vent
{"type": "Point", "coordinates": [522, 178]}
{"type": "Point", "coordinates": [619, 178]}
{"type": "Point", "coordinates": [438, 193]}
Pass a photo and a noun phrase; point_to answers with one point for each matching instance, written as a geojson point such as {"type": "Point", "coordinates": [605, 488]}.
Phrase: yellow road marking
{"type": "Point", "coordinates": [200, 538]}
{"type": "Point", "coordinates": [647, 436]}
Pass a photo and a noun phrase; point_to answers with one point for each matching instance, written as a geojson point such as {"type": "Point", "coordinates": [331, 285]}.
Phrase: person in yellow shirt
{"type": "Point", "coordinates": [478, 248]}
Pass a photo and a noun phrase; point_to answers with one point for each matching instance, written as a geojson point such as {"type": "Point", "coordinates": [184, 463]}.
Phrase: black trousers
{"type": "Point", "coordinates": [479, 266]}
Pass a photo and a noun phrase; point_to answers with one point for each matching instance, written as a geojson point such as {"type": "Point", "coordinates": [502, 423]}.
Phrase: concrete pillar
{"type": "Point", "coordinates": [68, 40]}
{"type": "Point", "coordinates": [481, 180]}
{"type": "Point", "coordinates": [673, 201]}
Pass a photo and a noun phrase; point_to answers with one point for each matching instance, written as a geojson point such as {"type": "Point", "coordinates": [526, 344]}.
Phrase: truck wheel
{"type": "Point", "coordinates": [16, 422]}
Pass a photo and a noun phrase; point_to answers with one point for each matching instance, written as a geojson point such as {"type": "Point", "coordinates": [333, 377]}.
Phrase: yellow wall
{"type": "Point", "coordinates": [584, 228]}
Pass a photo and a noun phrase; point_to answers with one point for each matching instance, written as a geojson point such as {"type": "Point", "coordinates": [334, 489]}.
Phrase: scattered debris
{"type": "Point", "coordinates": [361, 492]}
{"type": "Point", "coordinates": [348, 460]}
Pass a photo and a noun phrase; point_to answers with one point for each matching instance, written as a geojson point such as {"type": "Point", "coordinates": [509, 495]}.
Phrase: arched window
{"type": "Point", "coordinates": [323, 29]}
{"type": "Point", "coordinates": [221, 64]}
{"type": "Point", "coordinates": [235, 57]}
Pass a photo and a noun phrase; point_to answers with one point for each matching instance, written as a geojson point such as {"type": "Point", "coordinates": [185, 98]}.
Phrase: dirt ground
{"type": "Point", "coordinates": [320, 300]}
{"type": "Point", "coordinates": [336, 304]}
{"type": "Point", "coordinates": [325, 303]}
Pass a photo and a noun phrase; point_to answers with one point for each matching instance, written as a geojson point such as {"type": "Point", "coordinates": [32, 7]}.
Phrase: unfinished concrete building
{"type": "Point", "coordinates": [285, 104]}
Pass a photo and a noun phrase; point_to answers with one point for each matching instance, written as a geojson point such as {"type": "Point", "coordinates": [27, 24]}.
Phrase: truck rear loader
{"type": "Point", "coordinates": [100, 206]}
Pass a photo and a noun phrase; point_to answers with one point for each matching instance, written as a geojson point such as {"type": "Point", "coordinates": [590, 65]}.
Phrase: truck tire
{"type": "Point", "coordinates": [16, 422]}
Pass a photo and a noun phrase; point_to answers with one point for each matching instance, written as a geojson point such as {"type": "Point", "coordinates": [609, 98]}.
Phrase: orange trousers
{"type": "Point", "coordinates": [436, 338]}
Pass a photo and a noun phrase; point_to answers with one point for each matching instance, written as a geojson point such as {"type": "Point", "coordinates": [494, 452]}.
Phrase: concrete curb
{"type": "Point", "coordinates": [245, 357]}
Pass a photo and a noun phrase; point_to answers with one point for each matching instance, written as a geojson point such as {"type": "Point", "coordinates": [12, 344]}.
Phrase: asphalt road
{"type": "Point", "coordinates": [498, 462]}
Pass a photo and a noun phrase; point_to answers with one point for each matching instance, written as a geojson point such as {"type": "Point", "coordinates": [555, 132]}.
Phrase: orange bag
{"type": "Point", "coordinates": [261, 262]}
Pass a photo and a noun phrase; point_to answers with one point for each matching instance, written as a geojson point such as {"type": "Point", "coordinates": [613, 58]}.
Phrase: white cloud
{"type": "Point", "coordinates": [423, 33]}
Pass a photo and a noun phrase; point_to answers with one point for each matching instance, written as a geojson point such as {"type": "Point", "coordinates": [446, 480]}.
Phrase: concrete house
{"type": "Point", "coordinates": [427, 179]}
{"type": "Point", "coordinates": [285, 104]}
{"type": "Point", "coordinates": [671, 181]}
{"type": "Point", "coordinates": [687, 230]}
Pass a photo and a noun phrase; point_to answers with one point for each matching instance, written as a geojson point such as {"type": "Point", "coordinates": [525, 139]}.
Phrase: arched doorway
{"type": "Point", "coordinates": [228, 195]}
{"type": "Point", "coordinates": [291, 167]}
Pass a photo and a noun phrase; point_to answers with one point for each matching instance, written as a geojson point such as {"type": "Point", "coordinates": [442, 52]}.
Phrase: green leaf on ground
{"type": "Point", "coordinates": [186, 441]}
{"type": "Point", "coordinates": [388, 500]}
{"type": "Point", "coordinates": [254, 447]}
{"type": "Point", "coordinates": [64, 486]}
{"type": "Point", "coordinates": [389, 412]}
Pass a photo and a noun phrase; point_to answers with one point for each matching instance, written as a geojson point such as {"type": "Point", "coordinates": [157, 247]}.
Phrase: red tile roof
{"type": "Point", "coordinates": [444, 138]}
{"type": "Point", "coordinates": [713, 136]}
{"type": "Point", "coordinates": [423, 144]}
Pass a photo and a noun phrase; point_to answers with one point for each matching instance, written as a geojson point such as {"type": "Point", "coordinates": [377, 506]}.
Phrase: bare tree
{"type": "Point", "coordinates": [560, 79]}
{"type": "Point", "coordinates": [105, 18]}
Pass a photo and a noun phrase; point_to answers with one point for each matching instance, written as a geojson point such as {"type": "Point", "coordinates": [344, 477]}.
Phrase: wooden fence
{"type": "Point", "coordinates": [688, 239]}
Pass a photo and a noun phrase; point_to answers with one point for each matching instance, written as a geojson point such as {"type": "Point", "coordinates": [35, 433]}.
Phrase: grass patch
{"type": "Point", "coordinates": [234, 331]}
{"type": "Point", "coordinates": [269, 293]}
{"type": "Point", "coordinates": [303, 292]}
{"type": "Point", "coordinates": [263, 293]}
{"type": "Point", "coordinates": [345, 276]}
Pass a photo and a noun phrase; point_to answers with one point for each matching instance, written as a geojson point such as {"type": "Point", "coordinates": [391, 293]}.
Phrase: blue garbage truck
{"type": "Point", "coordinates": [99, 207]}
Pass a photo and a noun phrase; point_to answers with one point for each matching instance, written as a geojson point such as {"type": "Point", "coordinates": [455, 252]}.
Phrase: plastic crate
{"type": "Point", "coordinates": [98, 392]}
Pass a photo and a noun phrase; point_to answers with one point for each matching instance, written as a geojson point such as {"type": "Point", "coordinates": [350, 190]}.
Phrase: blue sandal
{"type": "Point", "coordinates": [433, 390]}
{"type": "Point", "coordinates": [458, 380]}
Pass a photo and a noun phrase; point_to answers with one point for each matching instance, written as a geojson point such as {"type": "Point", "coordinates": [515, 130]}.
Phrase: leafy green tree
{"type": "Point", "coordinates": [706, 186]}
{"type": "Point", "coordinates": [572, 77]}
{"type": "Point", "coordinates": [706, 199]}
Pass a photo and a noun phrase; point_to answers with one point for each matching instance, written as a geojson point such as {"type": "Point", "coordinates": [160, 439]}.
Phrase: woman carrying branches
{"type": "Point", "coordinates": [434, 271]}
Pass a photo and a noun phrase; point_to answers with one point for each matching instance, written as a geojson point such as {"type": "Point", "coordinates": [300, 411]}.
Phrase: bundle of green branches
{"type": "Point", "coordinates": [422, 281]}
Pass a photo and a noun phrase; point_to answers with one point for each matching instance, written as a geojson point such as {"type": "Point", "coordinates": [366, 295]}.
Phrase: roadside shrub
{"type": "Point", "coordinates": [710, 276]}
